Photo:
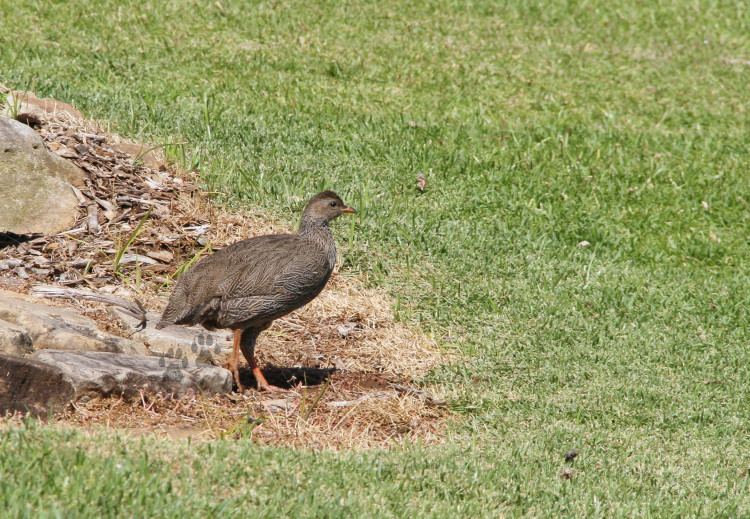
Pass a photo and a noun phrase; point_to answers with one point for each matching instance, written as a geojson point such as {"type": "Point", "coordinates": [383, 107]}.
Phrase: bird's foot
{"type": "Point", "coordinates": [235, 374]}
{"type": "Point", "coordinates": [240, 387]}
{"type": "Point", "coordinates": [263, 384]}
{"type": "Point", "coordinates": [268, 388]}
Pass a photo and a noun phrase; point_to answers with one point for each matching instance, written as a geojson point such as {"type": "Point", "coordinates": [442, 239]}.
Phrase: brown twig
{"type": "Point", "coordinates": [133, 308]}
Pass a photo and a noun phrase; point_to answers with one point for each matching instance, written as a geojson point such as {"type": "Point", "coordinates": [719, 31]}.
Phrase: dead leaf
{"type": "Point", "coordinates": [93, 218]}
{"type": "Point", "coordinates": [136, 258]}
{"type": "Point", "coordinates": [341, 364]}
{"type": "Point", "coordinates": [278, 405]}
{"type": "Point", "coordinates": [348, 329]}
{"type": "Point", "coordinates": [423, 394]}
{"type": "Point", "coordinates": [67, 153]}
{"type": "Point", "coordinates": [161, 255]}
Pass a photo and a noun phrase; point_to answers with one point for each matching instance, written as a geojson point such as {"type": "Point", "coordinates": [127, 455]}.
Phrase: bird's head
{"type": "Point", "coordinates": [326, 206]}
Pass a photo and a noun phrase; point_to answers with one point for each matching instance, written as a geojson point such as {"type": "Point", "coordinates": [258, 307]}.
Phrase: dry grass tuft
{"type": "Point", "coordinates": [355, 328]}
{"type": "Point", "coordinates": [349, 411]}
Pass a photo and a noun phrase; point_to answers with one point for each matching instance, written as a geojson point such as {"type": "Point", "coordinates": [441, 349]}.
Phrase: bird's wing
{"type": "Point", "coordinates": [257, 276]}
{"type": "Point", "coordinates": [281, 269]}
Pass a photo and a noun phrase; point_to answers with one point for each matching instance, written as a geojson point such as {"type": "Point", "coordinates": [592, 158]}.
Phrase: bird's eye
{"type": "Point", "coordinates": [333, 204]}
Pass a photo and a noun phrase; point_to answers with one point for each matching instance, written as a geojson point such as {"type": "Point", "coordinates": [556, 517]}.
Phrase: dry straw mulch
{"type": "Point", "coordinates": [348, 411]}
{"type": "Point", "coordinates": [350, 365]}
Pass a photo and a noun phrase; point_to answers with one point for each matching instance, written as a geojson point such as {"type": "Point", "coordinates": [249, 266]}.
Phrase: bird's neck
{"type": "Point", "coordinates": [320, 232]}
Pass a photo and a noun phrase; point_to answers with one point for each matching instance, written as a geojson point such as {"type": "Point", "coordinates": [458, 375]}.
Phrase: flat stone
{"type": "Point", "coordinates": [113, 374]}
{"type": "Point", "coordinates": [51, 327]}
{"type": "Point", "coordinates": [193, 343]}
{"type": "Point", "coordinates": [30, 386]}
{"type": "Point", "coordinates": [35, 184]}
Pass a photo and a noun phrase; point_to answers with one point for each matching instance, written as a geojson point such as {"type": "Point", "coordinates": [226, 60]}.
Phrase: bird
{"type": "Point", "coordinates": [245, 286]}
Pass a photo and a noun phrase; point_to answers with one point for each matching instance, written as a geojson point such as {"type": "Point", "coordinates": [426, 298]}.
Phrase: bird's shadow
{"type": "Point", "coordinates": [9, 239]}
{"type": "Point", "coordinates": [288, 378]}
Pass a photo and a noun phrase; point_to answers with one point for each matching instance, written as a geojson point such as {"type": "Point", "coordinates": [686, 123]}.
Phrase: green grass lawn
{"type": "Point", "coordinates": [538, 126]}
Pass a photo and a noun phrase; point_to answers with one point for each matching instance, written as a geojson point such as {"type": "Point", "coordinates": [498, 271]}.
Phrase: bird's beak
{"type": "Point", "coordinates": [349, 210]}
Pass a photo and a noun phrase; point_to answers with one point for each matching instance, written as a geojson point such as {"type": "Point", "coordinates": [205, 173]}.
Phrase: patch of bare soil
{"type": "Point", "coordinates": [349, 365]}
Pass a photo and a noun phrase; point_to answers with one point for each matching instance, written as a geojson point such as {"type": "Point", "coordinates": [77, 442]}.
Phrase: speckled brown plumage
{"type": "Point", "coordinates": [248, 284]}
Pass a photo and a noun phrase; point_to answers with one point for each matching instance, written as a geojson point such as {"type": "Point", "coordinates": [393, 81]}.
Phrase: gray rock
{"type": "Point", "coordinates": [35, 192]}
{"type": "Point", "coordinates": [30, 386]}
{"type": "Point", "coordinates": [113, 374]}
{"type": "Point", "coordinates": [51, 327]}
{"type": "Point", "coordinates": [14, 340]}
{"type": "Point", "coordinates": [193, 343]}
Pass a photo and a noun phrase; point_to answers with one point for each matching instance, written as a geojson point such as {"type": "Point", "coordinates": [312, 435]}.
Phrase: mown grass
{"type": "Point", "coordinates": [537, 126]}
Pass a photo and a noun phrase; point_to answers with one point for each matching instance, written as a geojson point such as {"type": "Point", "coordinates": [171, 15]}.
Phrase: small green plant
{"type": "Point", "coordinates": [123, 247]}
{"type": "Point", "coordinates": [176, 151]}
{"type": "Point", "coordinates": [243, 428]}
{"type": "Point", "coordinates": [145, 151]}
{"type": "Point", "coordinates": [14, 103]}
{"type": "Point", "coordinates": [305, 413]}
{"type": "Point", "coordinates": [186, 265]}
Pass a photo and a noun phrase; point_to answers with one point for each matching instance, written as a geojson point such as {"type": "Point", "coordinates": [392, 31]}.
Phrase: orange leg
{"type": "Point", "coordinates": [247, 344]}
{"type": "Point", "coordinates": [263, 384]}
{"type": "Point", "coordinates": [234, 360]}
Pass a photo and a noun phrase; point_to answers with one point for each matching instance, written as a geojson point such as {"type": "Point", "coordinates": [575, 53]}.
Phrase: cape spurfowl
{"type": "Point", "coordinates": [248, 284]}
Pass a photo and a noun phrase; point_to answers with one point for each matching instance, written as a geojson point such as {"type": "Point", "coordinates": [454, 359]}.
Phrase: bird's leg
{"type": "Point", "coordinates": [260, 380]}
{"type": "Point", "coordinates": [248, 350]}
{"type": "Point", "coordinates": [234, 360]}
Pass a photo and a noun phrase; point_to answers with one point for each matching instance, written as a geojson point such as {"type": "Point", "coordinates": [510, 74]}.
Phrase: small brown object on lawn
{"type": "Point", "coordinates": [571, 455]}
{"type": "Point", "coordinates": [421, 182]}
{"type": "Point", "coordinates": [247, 285]}
{"type": "Point", "coordinates": [567, 473]}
